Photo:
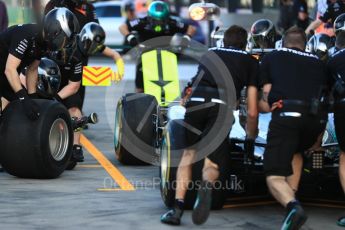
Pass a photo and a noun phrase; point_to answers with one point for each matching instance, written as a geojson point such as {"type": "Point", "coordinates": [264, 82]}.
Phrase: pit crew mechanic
{"type": "Point", "coordinates": [85, 13]}
{"type": "Point", "coordinates": [88, 42]}
{"type": "Point", "coordinates": [333, 11]}
{"type": "Point", "coordinates": [22, 46]}
{"type": "Point", "coordinates": [158, 23]}
{"type": "Point", "coordinates": [244, 70]}
{"type": "Point", "coordinates": [336, 66]}
{"type": "Point", "coordinates": [298, 117]}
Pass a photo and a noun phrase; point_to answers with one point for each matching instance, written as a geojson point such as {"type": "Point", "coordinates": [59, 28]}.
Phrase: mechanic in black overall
{"type": "Point", "coordinates": [85, 13]}
{"type": "Point", "coordinates": [158, 23]}
{"type": "Point", "coordinates": [333, 11]}
{"type": "Point", "coordinates": [88, 42]}
{"type": "Point", "coordinates": [336, 66]}
{"type": "Point", "coordinates": [244, 71]}
{"type": "Point", "coordinates": [23, 46]}
{"type": "Point", "coordinates": [299, 116]}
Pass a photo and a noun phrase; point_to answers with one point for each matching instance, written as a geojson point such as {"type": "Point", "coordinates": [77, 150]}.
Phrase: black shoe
{"type": "Point", "coordinates": [203, 202]}
{"type": "Point", "coordinates": [341, 221]}
{"type": "Point", "coordinates": [2, 169]}
{"type": "Point", "coordinates": [294, 219]}
{"type": "Point", "coordinates": [77, 154]}
{"type": "Point", "coordinates": [172, 217]}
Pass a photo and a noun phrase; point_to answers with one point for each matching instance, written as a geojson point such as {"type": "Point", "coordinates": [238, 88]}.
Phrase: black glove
{"type": "Point", "coordinates": [249, 146]}
{"type": "Point", "coordinates": [30, 107]}
{"type": "Point", "coordinates": [132, 39]}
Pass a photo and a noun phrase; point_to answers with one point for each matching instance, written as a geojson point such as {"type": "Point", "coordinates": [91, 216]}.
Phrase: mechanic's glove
{"type": "Point", "coordinates": [132, 39]}
{"type": "Point", "coordinates": [58, 98]}
{"type": "Point", "coordinates": [120, 70]}
{"type": "Point", "coordinates": [30, 107]}
{"type": "Point", "coordinates": [249, 146]}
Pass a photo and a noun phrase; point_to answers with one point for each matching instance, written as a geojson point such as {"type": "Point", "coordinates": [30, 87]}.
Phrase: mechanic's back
{"type": "Point", "coordinates": [294, 74]}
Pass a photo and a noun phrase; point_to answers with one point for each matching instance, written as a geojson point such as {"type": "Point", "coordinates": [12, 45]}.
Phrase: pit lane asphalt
{"type": "Point", "coordinates": [86, 198]}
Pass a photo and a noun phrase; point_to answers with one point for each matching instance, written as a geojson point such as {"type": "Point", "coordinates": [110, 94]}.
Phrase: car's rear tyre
{"type": "Point", "coordinates": [36, 149]}
{"type": "Point", "coordinates": [173, 144]}
{"type": "Point", "coordinates": [134, 129]}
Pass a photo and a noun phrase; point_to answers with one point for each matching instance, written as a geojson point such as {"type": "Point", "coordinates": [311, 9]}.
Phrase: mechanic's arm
{"type": "Point", "coordinates": [118, 61]}
{"type": "Point", "coordinates": [69, 90]}
{"type": "Point", "coordinates": [252, 113]}
{"type": "Point", "coordinates": [124, 29]}
{"type": "Point", "coordinates": [32, 77]}
{"type": "Point", "coordinates": [11, 72]}
{"type": "Point", "coordinates": [313, 26]}
{"type": "Point", "coordinates": [263, 102]}
{"type": "Point", "coordinates": [191, 30]}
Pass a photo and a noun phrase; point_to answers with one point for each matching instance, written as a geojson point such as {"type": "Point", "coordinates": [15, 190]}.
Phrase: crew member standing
{"type": "Point", "coordinates": [243, 69]}
{"type": "Point", "coordinates": [298, 117]}
{"type": "Point", "coordinates": [337, 68]}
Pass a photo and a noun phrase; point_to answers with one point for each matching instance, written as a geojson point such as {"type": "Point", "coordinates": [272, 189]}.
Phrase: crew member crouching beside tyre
{"type": "Point", "coordinates": [89, 41]}
{"type": "Point", "coordinates": [22, 46]}
{"type": "Point", "coordinates": [299, 116]}
{"type": "Point", "coordinates": [336, 65]}
{"type": "Point", "coordinates": [207, 96]}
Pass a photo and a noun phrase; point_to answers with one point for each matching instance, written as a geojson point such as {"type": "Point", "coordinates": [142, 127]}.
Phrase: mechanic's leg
{"type": "Point", "coordinates": [342, 169]}
{"type": "Point", "coordinates": [297, 165]}
{"type": "Point", "coordinates": [77, 149]}
{"type": "Point", "coordinates": [183, 178]}
{"type": "Point", "coordinates": [280, 189]}
{"type": "Point", "coordinates": [202, 207]}
{"type": "Point", "coordinates": [282, 192]}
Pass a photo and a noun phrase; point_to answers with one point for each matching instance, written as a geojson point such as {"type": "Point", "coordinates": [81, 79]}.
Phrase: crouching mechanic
{"type": "Point", "coordinates": [22, 46]}
{"type": "Point", "coordinates": [89, 41]}
{"type": "Point", "coordinates": [337, 67]}
{"type": "Point", "coordinates": [298, 117]}
{"type": "Point", "coordinates": [243, 70]}
{"type": "Point", "coordinates": [85, 13]}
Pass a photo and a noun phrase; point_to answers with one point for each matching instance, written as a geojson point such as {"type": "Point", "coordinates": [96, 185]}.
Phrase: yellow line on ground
{"type": "Point", "coordinates": [323, 205]}
{"type": "Point", "coordinates": [109, 189]}
{"type": "Point", "coordinates": [89, 166]}
{"type": "Point", "coordinates": [107, 165]}
{"type": "Point", "coordinates": [248, 204]}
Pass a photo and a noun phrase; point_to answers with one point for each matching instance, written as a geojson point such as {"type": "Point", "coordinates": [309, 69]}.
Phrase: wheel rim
{"type": "Point", "coordinates": [58, 139]}
{"type": "Point", "coordinates": [165, 163]}
{"type": "Point", "coordinates": [117, 126]}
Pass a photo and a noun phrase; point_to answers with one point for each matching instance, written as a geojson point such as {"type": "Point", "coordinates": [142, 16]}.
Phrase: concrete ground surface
{"type": "Point", "coordinates": [89, 198]}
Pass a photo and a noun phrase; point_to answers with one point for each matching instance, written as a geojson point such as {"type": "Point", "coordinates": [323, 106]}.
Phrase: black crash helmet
{"type": "Point", "coordinates": [263, 34]}
{"type": "Point", "coordinates": [319, 44]}
{"type": "Point", "coordinates": [60, 25]}
{"type": "Point", "coordinates": [49, 78]}
{"type": "Point", "coordinates": [91, 38]}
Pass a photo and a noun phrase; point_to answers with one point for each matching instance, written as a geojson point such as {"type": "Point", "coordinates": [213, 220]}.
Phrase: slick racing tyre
{"type": "Point", "coordinates": [173, 143]}
{"type": "Point", "coordinates": [36, 149]}
{"type": "Point", "coordinates": [71, 165]}
{"type": "Point", "coordinates": [134, 129]}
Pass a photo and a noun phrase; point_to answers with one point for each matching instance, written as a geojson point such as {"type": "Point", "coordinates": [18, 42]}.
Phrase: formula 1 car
{"type": "Point", "coordinates": [245, 175]}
